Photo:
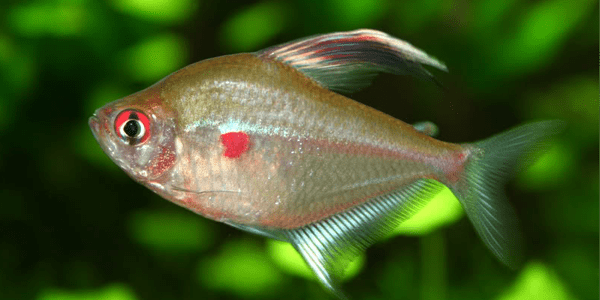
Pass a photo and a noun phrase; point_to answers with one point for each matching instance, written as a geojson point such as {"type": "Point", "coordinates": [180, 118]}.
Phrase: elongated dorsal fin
{"type": "Point", "coordinates": [346, 61]}
{"type": "Point", "coordinates": [329, 245]}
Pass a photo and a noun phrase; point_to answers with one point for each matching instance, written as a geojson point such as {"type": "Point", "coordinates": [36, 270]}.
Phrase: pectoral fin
{"type": "Point", "coordinates": [346, 61]}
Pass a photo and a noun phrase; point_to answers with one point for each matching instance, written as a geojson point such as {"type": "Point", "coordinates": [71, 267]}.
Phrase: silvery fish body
{"type": "Point", "coordinates": [261, 142]}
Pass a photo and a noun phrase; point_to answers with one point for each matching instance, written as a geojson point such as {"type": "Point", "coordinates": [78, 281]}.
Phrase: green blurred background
{"type": "Point", "coordinates": [74, 226]}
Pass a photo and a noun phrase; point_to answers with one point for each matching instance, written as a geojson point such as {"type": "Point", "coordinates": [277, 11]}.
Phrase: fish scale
{"type": "Point", "coordinates": [260, 141]}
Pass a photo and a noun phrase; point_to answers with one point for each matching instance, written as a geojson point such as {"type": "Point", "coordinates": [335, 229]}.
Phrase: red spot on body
{"type": "Point", "coordinates": [235, 143]}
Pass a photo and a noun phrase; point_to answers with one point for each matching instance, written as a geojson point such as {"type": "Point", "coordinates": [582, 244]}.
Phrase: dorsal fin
{"type": "Point", "coordinates": [346, 61]}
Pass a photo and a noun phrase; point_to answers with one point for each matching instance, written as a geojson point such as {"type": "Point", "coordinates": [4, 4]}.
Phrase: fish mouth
{"type": "Point", "coordinates": [94, 123]}
{"type": "Point", "coordinates": [99, 124]}
{"type": "Point", "coordinates": [101, 133]}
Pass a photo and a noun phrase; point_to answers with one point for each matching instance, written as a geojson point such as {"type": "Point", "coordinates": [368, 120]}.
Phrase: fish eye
{"type": "Point", "coordinates": [132, 126]}
{"type": "Point", "coordinates": [133, 129]}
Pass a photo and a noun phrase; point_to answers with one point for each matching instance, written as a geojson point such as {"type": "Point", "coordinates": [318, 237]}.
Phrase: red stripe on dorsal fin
{"type": "Point", "coordinates": [346, 61]}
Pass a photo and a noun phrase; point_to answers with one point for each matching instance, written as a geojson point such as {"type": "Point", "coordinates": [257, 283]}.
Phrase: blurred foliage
{"type": "Point", "coordinates": [537, 281]}
{"type": "Point", "coordinates": [162, 11]}
{"type": "Point", "coordinates": [111, 292]}
{"type": "Point", "coordinates": [242, 268]}
{"type": "Point", "coordinates": [170, 232]}
{"type": "Point", "coordinates": [252, 26]}
{"type": "Point", "coordinates": [73, 226]}
{"type": "Point", "coordinates": [164, 53]}
{"type": "Point", "coordinates": [441, 210]}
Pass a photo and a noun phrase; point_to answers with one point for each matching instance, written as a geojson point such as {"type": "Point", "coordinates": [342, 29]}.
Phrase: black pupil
{"type": "Point", "coordinates": [132, 128]}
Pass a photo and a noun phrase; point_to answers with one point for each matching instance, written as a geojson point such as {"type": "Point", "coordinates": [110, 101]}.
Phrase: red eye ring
{"type": "Point", "coordinates": [133, 126]}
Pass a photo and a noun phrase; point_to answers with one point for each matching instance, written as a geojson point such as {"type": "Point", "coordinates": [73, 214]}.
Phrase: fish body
{"type": "Point", "coordinates": [261, 142]}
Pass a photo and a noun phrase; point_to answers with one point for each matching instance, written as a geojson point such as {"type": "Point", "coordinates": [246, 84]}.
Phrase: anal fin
{"type": "Point", "coordinates": [329, 245]}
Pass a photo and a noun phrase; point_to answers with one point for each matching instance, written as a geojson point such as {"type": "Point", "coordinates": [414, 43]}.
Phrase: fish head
{"type": "Point", "coordinates": [138, 133]}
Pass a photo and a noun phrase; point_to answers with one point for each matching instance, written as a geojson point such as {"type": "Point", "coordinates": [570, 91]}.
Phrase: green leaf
{"type": "Point", "coordinates": [161, 11]}
{"type": "Point", "coordinates": [443, 209]}
{"type": "Point", "coordinates": [552, 168]}
{"type": "Point", "coordinates": [251, 28]}
{"type": "Point", "coordinates": [243, 268]}
{"type": "Point", "coordinates": [114, 291]}
{"type": "Point", "coordinates": [171, 231]}
{"type": "Point", "coordinates": [156, 57]}
{"type": "Point", "coordinates": [537, 281]}
{"type": "Point", "coordinates": [39, 19]}
{"type": "Point", "coordinates": [539, 35]}
{"type": "Point", "coordinates": [356, 14]}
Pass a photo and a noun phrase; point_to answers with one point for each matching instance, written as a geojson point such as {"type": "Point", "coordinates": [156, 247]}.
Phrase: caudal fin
{"type": "Point", "coordinates": [480, 189]}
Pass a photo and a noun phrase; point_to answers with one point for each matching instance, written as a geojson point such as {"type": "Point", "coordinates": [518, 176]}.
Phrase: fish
{"type": "Point", "coordinates": [265, 142]}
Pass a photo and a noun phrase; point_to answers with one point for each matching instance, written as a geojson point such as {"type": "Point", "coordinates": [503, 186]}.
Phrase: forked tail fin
{"type": "Point", "coordinates": [480, 187]}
